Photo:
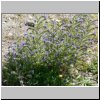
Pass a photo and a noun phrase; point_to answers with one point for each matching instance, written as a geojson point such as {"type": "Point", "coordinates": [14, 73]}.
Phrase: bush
{"type": "Point", "coordinates": [48, 50]}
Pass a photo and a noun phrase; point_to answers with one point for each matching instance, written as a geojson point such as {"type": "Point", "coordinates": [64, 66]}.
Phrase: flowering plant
{"type": "Point", "coordinates": [45, 55]}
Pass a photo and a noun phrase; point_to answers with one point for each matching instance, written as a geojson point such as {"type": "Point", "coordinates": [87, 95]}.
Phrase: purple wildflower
{"type": "Point", "coordinates": [47, 53]}
{"type": "Point", "coordinates": [74, 46]}
{"type": "Point", "coordinates": [54, 22]}
{"type": "Point", "coordinates": [45, 17]}
{"type": "Point", "coordinates": [80, 20]}
{"type": "Point", "coordinates": [57, 43]}
{"type": "Point", "coordinates": [25, 34]}
{"type": "Point", "coordinates": [13, 49]}
{"type": "Point", "coordinates": [45, 40]}
{"type": "Point", "coordinates": [23, 43]}
{"type": "Point", "coordinates": [94, 33]}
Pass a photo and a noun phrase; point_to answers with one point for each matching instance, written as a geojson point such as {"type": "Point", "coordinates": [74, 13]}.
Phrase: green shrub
{"type": "Point", "coordinates": [48, 49]}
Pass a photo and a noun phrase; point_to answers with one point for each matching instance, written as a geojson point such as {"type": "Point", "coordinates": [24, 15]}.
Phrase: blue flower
{"type": "Point", "coordinates": [62, 28]}
{"type": "Point", "coordinates": [94, 33]}
{"type": "Point", "coordinates": [45, 40]}
{"type": "Point", "coordinates": [13, 49]}
{"type": "Point", "coordinates": [54, 22]}
{"type": "Point", "coordinates": [23, 43]}
{"type": "Point", "coordinates": [80, 20]}
{"type": "Point", "coordinates": [74, 46]}
{"type": "Point", "coordinates": [47, 53]}
{"type": "Point", "coordinates": [45, 17]}
{"type": "Point", "coordinates": [25, 34]}
{"type": "Point", "coordinates": [57, 44]}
